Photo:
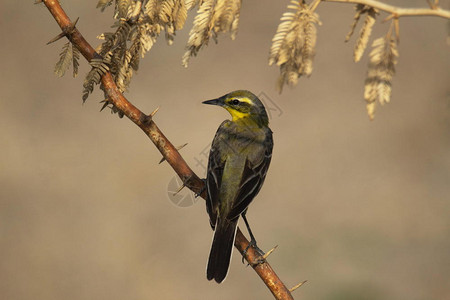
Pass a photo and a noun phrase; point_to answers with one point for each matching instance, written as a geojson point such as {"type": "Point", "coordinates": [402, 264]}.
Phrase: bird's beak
{"type": "Point", "coordinates": [218, 101]}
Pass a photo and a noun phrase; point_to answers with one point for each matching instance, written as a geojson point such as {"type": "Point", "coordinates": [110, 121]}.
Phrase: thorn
{"type": "Point", "coordinates": [154, 112]}
{"type": "Point", "coordinates": [182, 146]}
{"type": "Point", "coordinates": [179, 190]}
{"type": "Point", "coordinates": [64, 32]}
{"type": "Point", "coordinates": [178, 148]}
{"type": "Point", "coordinates": [56, 38]}
{"type": "Point", "coordinates": [75, 23]}
{"type": "Point", "coordinates": [105, 104]}
{"type": "Point", "coordinates": [297, 286]}
{"type": "Point", "coordinates": [269, 252]}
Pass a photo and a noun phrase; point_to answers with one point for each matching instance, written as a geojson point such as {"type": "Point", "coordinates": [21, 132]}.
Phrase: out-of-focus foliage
{"type": "Point", "coordinates": [138, 24]}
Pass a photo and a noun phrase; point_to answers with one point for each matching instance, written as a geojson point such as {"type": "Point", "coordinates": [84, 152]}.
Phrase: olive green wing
{"type": "Point", "coordinates": [252, 180]}
{"type": "Point", "coordinates": [214, 174]}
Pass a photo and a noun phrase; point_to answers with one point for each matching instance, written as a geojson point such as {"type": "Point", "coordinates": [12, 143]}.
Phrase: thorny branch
{"type": "Point", "coordinates": [169, 152]}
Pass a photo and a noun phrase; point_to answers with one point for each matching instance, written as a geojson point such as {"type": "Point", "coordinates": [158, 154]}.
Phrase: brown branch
{"type": "Point", "coordinates": [168, 151]}
{"type": "Point", "coordinates": [399, 11]}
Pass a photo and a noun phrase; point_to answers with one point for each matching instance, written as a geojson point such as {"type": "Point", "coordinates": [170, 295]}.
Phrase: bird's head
{"type": "Point", "coordinates": [243, 106]}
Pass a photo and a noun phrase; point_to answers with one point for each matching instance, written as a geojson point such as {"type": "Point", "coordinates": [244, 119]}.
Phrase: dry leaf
{"type": "Point", "coordinates": [364, 34]}
{"type": "Point", "coordinates": [383, 59]}
{"type": "Point", "coordinates": [293, 46]}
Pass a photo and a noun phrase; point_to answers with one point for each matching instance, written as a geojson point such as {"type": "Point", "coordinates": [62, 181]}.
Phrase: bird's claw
{"type": "Point", "coordinates": [261, 253]}
{"type": "Point", "coordinates": [203, 188]}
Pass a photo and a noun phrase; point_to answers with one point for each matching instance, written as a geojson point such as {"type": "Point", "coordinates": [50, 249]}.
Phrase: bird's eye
{"type": "Point", "coordinates": [235, 102]}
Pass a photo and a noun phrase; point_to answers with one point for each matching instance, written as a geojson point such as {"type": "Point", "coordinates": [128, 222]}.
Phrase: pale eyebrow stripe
{"type": "Point", "coordinates": [246, 100]}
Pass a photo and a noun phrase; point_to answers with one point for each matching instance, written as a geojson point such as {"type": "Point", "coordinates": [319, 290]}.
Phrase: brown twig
{"type": "Point", "coordinates": [169, 152]}
{"type": "Point", "coordinates": [399, 11]}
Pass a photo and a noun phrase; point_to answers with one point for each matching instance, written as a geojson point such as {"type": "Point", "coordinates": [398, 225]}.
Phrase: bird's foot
{"type": "Point", "coordinates": [203, 188]}
{"type": "Point", "coordinates": [254, 246]}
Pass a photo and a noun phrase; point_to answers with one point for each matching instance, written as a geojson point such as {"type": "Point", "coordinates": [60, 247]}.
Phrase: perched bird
{"type": "Point", "coordinates": [238, 161]}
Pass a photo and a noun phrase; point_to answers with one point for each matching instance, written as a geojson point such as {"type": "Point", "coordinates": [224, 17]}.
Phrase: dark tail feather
{"type": "Point", "coordinates": [222, 246]}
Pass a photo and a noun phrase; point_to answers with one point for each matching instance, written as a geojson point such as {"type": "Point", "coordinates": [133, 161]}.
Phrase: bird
{"type": "Point", "coordinates": [237, 166]}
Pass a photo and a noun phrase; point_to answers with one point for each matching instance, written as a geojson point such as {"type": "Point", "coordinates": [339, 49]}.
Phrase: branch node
{"type": "Point", "coordinates": [178, 148]}
{"type": "Point", "coordinates": [434, 5]}
{"type": "Point", "coordinates": [390, 17]}
{"type": "Point", "coordinates": [144, 119]}
{"type": "Point", "coordinates": [65, 32]}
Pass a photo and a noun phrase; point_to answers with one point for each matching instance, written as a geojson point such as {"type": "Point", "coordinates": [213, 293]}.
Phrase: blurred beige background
{"type": "Point", "coordinates": [360, 209]}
